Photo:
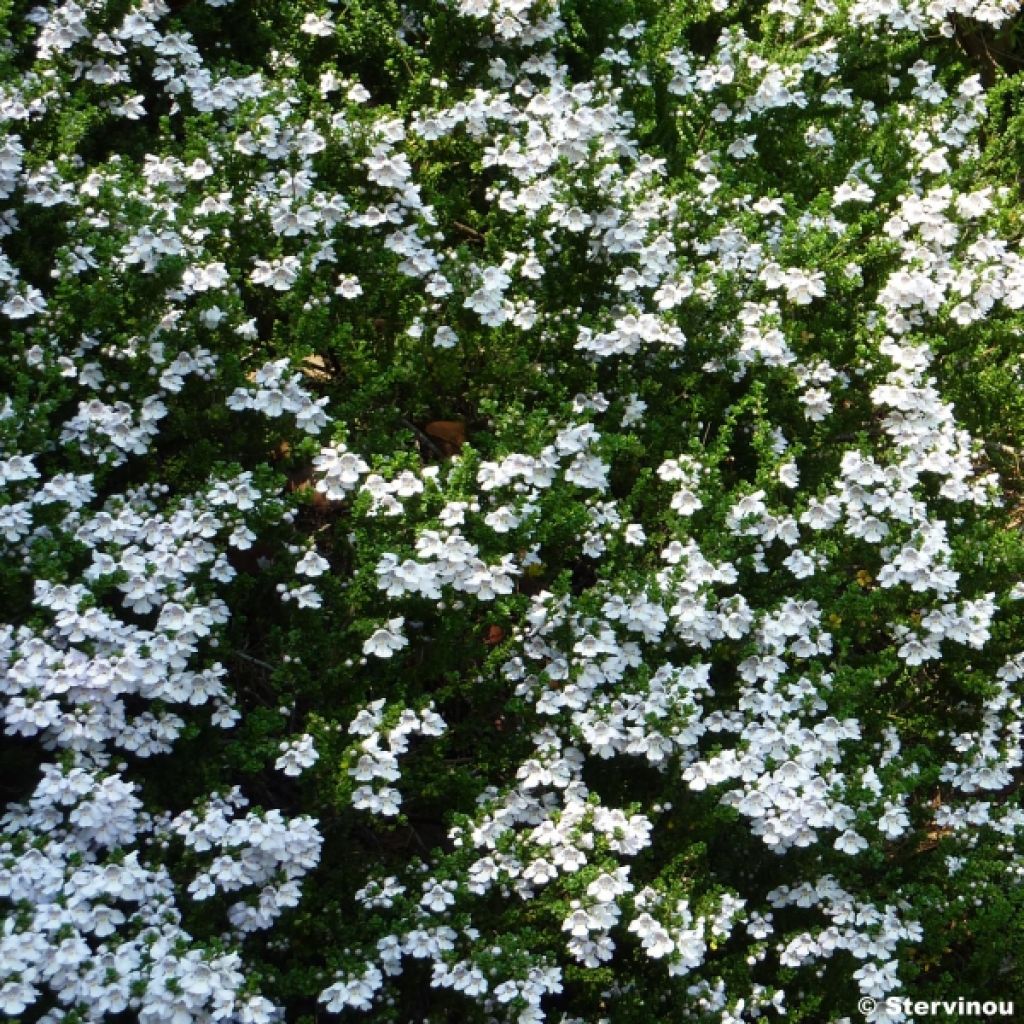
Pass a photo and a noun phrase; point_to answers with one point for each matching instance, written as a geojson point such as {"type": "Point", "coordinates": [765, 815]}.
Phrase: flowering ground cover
{"type": "Point", "coordinates": [510, 510]}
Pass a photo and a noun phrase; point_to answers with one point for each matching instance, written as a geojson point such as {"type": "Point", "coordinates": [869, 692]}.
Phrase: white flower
{"type": "Point", "coordinates": [894, 822]}
{"type": "Point", "coordinates": [317, 25]}
{"type": "Point", "coordinates": [279, 274]}
{"type": "Point", "coordinates": [16, 997]}
{"type": "Point", "coordinates": [802, 288]}
{"type": "Point", "coordinates": [789, 475]}
{"type": "Point", "coordinates": [312, 564]}
{"type": "Point", "coordinates": [384, 642]}
{"type": "Point", "coordinates": [438, 896]}
{"type": "Point", "coordinates": [654, 937]}
{"type": "Point", "coordinates": [340, 471]}
{"type": "Point", "coordinates": [348, 287]}
{"type": "Point", "coordinates": [18, 307]}
{"type": "Point", "coordinates": [445, 337]}
{"type": "Point", "coordinates": [852, 192]}
{"type": "Point", "coordinates": [635, 535]}
{"type": "Point", "coordinates": [297, 755]}
{"type": "Point", "coordinates": [850, 842]}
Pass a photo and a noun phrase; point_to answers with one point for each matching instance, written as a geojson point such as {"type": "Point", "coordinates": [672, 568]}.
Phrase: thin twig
{"type": "Point", "coordinates": [423, 438]}
{"type": "Point", "coordinates": [255, 661]}
{"type": "Point", "coordinates": [467, 230]}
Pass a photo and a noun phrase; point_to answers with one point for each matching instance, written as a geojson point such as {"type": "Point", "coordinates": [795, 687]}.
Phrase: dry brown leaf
{"type": "Point", "coordinates": [315, 367]}
{"type": "Point", "coordinates": [450, 435]}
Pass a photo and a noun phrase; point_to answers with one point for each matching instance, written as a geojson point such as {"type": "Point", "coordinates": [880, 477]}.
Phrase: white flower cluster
{"type": "Point", "coordinates": [586, 470]}
{"type": "Point", "coordinates": [510, 20]}
{"type": "Point", "coordinates": [338, 470]}
{"type": "Point", "coordinates": [916, 16]}
{"type": "Point", "coordinates": [273, 394]}
{"type": "Point", "coordinates": [100, 931]}
{"type": "Point", "coordinates": [297, 756]}
{"type": "Point", "coordinates": [687, 472]}
{"type": "Point", "coordinates": [447, 559]}
{"type": "Point", "coordinates": [863, 930]}
{"type": "Point", "coordinates": [376, 755]}
{"type": "Point", "coordinates": [74, 681]}
{"type": "Point", "coordinates": [113, 431]}
{"type": "Point", "coordinates": [263, 851]}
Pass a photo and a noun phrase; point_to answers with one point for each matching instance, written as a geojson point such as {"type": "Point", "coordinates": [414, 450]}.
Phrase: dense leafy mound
{"type": "Point", "coordinates": [510, 509]}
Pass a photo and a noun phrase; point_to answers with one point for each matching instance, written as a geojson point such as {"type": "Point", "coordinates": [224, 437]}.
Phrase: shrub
{"type": "Point", "coordinates": [510, 510]}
